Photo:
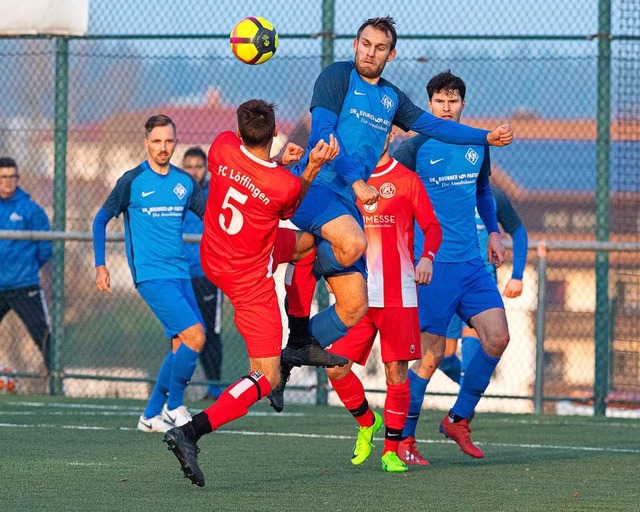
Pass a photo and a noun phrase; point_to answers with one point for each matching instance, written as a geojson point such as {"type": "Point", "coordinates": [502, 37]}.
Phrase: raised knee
{"type": "Point", "coordinates": [355, 313]}
{"type": "Point", "coordinates": [498, 344]}
{"type": "Point", "coordinates": [351, 251]}
{"type": "Point", "coordinates": [503, 341]}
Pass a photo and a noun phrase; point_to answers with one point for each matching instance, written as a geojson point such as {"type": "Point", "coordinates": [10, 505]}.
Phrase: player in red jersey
{"type": "Point", "coordinates": [241, 246]}
{"type": "Point", "coordinates": [393, 305]}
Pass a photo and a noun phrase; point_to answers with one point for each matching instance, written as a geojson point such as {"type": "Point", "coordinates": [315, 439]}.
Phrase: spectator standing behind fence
{"type": "Point", "coordinates": [209, 297]}
{"type": "Point", "coordinates": [22, 259]}
{"type": "Point", "coordinates": [154, 198]}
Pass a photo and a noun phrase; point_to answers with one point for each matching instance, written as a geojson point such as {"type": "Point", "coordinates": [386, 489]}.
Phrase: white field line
{"type": "Point", "coordinates": [600, 449]}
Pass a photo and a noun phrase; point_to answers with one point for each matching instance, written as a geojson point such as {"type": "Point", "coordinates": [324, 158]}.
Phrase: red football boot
{"type": "Point", "coordinates": [409, 454]}
{"type": "Point", "coordinates": [461, 434]}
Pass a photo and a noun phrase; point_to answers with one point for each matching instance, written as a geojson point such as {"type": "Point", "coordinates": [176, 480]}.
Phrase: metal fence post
{"type": "Point", "coordinates": [59, 210]}
{"type": "Point", "coordinates": [601, 327]}
{"type": "Point", "coordinates": [322, 392]}
{"type": "Point", "coordinates": [328, 19]}
{"type": "Point", "coordinates": [538, 386]}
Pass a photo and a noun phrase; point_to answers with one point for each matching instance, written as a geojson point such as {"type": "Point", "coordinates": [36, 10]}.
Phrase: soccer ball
{"type": "Point", "coordinates": [253, 40]}
{"type": "Point", "coordinates": [7, 382]}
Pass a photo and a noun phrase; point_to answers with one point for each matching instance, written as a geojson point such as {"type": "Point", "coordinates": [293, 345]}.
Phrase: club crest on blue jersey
{"type": "Point", "coordinates": [472, 156]}
{"type": "Point", "coordinates": [179, 190]}
{"type": "Point", "coordinates": [387, 102]}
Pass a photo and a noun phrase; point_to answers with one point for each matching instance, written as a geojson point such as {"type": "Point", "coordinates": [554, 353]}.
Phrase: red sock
{"type": "Point", "coordinates": [300, 285]}
{"type": "Point", "coordinates": [284, 246]}
{"type": "Point", "coordinates": [396, 408]}
{"type": "Point", "coordinates": [351, 392]}
{"type": "Point", "coordinates": [234, 402]}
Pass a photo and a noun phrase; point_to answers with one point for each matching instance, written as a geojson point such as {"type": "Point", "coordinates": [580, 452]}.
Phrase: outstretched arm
{"type": "Point", "coordinates": [452, 132]}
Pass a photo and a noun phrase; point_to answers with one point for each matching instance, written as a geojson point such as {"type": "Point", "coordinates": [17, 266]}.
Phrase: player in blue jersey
{"type": "Point", "coordinates": [457, 181]}
{"type": "Point", "coordinates": [508, 218]}
{"type": "Point", "coordinates": [353, 102]}
{"type": "Point", "coordinates": [207, 294]}
{"type": "Point", "coordinates": [154, 198]}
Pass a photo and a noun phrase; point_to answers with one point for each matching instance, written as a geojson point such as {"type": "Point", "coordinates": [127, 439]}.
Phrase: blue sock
{"type": "Point", "coordinates": [475, 382]}
{"type": "Point", "coordinates": [451, 367]}
{"type": "Point", "coordinates": [327, 327]}
{"type": "Point", "coordinates": [468, 347]}
{"type": "Point", "coordinates": [326, 263]}
{"type": "Point", "coordinates": [184, 364]}
{"type": "Point", "coordinates": [214, 391]}
{"type": "Point", "coordinates": [161, 389]}
{"type": "Point", "coordinates": [418, 387]}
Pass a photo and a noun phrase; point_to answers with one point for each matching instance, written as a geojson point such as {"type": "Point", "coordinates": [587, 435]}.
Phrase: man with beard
{"type": "Point", "coordinates": [154, 198]}
{"type": "Point", "coordinates": [352, 102]}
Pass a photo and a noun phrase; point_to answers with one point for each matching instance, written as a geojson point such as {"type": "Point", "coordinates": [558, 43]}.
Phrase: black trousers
{"type": "Point", "coordinates": [210, 303]}
{"type": "Point", "coordinates": [30, 305]}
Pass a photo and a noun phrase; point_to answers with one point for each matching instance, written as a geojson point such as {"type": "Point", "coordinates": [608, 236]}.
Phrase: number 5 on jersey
{"type": "Point", "coordinates": [237, 220]}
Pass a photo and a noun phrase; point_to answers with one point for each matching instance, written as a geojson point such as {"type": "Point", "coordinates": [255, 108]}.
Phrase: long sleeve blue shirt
{"type": "Point", "coordinates": [20, 260]}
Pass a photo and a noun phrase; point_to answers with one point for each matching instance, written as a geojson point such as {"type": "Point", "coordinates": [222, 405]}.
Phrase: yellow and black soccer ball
{"type": "Point", "coordinates": [254, 40]}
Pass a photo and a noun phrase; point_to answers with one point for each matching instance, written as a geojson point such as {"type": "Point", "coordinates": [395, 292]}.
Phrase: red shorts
{"type": "Point", "coordinates": [256, 312]}
{"type": "Point", "coordinates": [253, 297]}
{"type": "Point", "coordinates": [399, 330]}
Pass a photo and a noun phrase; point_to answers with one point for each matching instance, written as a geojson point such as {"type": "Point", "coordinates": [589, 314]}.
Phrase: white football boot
{"type": "Point", "coordinates": [176, 417]}
{"type": "Point", "coordinates": [155, 424]}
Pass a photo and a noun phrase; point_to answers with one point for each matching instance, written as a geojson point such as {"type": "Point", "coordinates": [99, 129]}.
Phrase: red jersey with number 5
{"type": "Point", "coordinates": [247, 198]}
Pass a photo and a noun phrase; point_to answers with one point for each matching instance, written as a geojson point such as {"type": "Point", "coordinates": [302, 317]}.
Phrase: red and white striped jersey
{"type": "Point", "coordinates": [389, 228]}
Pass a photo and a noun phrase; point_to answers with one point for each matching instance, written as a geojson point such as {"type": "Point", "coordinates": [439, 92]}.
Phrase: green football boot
{"type": "Point", "coordinates": [364, 443]}
{"type": "Point", "coordinates": [391, 463]}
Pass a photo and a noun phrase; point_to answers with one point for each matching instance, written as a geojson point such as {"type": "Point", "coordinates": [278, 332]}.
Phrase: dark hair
{"type": "Point", "coordinates": [256, 122]}
{"type": "Point", "coordinates": [159, 120]}
{"type": "Point", "coordinates": [7, 161]}
{"type": "Point", "coordinates": [386, 25]}
{"type": "Point", "coordinates": [446, 81]}
{"type": "Point", "coordinates": [195, 151]}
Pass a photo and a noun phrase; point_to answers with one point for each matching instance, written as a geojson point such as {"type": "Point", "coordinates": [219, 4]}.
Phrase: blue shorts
{"type": "Point", "coordinates": [465, 289]}
{"type": "Point", "coordinates": [173, 302]}
{"type": "Point", "coordinates": [454, 331]}
{"type": "Point", "coordinates": [320, 206]}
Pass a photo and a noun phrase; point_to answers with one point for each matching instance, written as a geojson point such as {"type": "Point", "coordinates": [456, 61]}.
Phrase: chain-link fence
{"type": "Point", "coordinates": [74, 108]}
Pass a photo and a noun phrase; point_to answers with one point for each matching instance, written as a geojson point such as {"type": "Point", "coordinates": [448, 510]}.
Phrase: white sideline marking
{"type": "Point", "coordinates": [76, 406]}
{"type": "Point", "coordinates": [440, 441]}
{"type": "Point", "coordinates": [342, 437]}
